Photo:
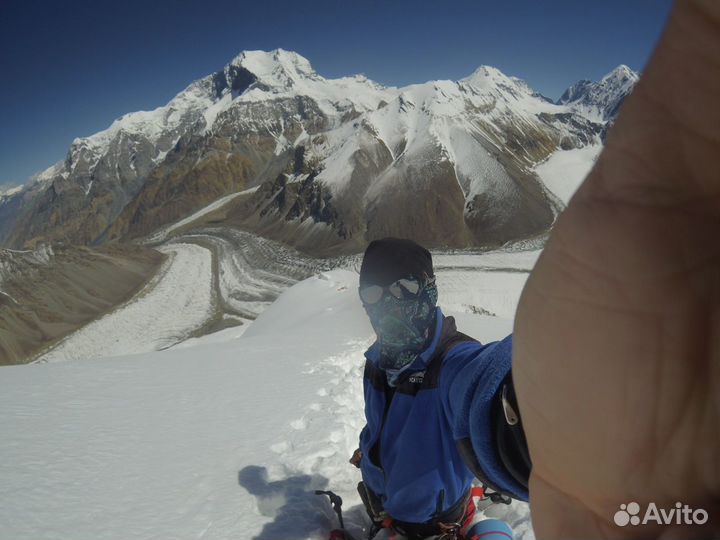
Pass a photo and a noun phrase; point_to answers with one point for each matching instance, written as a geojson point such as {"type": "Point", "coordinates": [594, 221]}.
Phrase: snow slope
{"type": "Point", "coordinates": [564, 171]}
{"type": "Point", "coordinates": [224, 438]}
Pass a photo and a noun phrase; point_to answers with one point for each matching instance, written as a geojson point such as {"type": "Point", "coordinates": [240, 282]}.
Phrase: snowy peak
{"type": "Point", "coordinates": [275, 68]}
{"type": "Point", "coordinates": [601, 100]}
{"type": "Point", "coordinates": [276, 71]}
{"type": "Point", "coordinates": [281, 73]}
{"type": "Point", "coordinates": [621, 73]}
{"type": "Point", "coordinates": [486, 77]}
{"type": "Point", "coordinates": [490, 80]}
{"type": "Point", "coordinates": [490, 91]}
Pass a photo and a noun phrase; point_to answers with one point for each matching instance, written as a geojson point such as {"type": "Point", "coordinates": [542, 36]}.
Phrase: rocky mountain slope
{"type": "Point", "coordinates": [336, 162]}
{"type": "Point", "coordinates": [51, 291]}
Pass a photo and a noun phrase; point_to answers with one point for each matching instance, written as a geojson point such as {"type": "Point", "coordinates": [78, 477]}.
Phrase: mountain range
{"type": "Point", "coordinates": [333, 163]}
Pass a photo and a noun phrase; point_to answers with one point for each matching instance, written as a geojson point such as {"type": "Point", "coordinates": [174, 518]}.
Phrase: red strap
{"type": "Point", "coordinates": [475, 491]}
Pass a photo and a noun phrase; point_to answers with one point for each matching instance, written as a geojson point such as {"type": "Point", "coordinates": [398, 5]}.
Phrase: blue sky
{"type": "Point", "coordinates": [70, 68]}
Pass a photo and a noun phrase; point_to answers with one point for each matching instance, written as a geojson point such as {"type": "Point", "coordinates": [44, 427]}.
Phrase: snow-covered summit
{"type": "Point", "coordinates": [277, 67]}
{"type": "Point", "coordinates": [490, 79]}
{"type": "Point", "coordinates": [600, 101]}
{"type": "Point", "coordinates": [251, 76]}
{"type": "Point", "coordinates": [621, 73]}
{"type": "Point", "coordinates": [488, 86]}
{"type": "Point", "coordinates": [279, 74]}
{"type": "Point", "coordinates": [187, 112]}
{"type": "Point", "coordinates": [485, 77]}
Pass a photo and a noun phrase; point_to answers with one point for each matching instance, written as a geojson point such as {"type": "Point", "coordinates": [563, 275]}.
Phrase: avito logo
{"type": "Point", "coordinates": [681, 514]}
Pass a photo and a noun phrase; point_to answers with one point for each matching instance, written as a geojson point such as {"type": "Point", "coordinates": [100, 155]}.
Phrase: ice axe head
{"type": "Point", "coordinates": [336, 502]}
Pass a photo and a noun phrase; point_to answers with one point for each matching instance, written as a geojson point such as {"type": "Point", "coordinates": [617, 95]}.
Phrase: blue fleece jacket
{"type": "Point", "coordinates": [420, 472]}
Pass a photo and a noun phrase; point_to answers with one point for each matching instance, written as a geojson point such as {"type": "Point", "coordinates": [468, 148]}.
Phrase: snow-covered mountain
{"type": "Point", "coordinates": [600, 101]}
{"type": "Point", "coordinates": [336, 162]}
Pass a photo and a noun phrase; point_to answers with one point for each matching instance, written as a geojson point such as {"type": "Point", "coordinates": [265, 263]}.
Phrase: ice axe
{"type": "Point", "coordinates": [336, 502]}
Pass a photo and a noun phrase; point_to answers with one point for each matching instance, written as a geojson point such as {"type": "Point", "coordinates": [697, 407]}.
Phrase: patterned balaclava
{"type": "Point", "coordinates": [404, 326]}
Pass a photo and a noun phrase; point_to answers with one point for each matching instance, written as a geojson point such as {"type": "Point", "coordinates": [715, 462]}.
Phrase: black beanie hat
{"type": "Point", "coordinates": [388, 259]}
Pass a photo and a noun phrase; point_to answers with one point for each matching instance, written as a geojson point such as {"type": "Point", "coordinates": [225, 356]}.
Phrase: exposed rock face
{"type": "Point", "coordinates": [339, 162]}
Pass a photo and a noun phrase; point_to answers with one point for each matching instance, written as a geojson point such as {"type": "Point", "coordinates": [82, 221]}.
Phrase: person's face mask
{"type": "Point", "coordinates": [401, 315]}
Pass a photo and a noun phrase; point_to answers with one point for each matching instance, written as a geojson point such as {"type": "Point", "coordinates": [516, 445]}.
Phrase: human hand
{"type": "Point", "coordinates": [616, 346]}
{"type": "Point", "coordinates": [356, 457]}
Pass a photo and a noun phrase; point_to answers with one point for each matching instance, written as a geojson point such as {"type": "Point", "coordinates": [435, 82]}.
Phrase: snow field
{"type": "Point", "coordinates": [564, 171]}
{"type": "Point", "coordinates": [225, 437]}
